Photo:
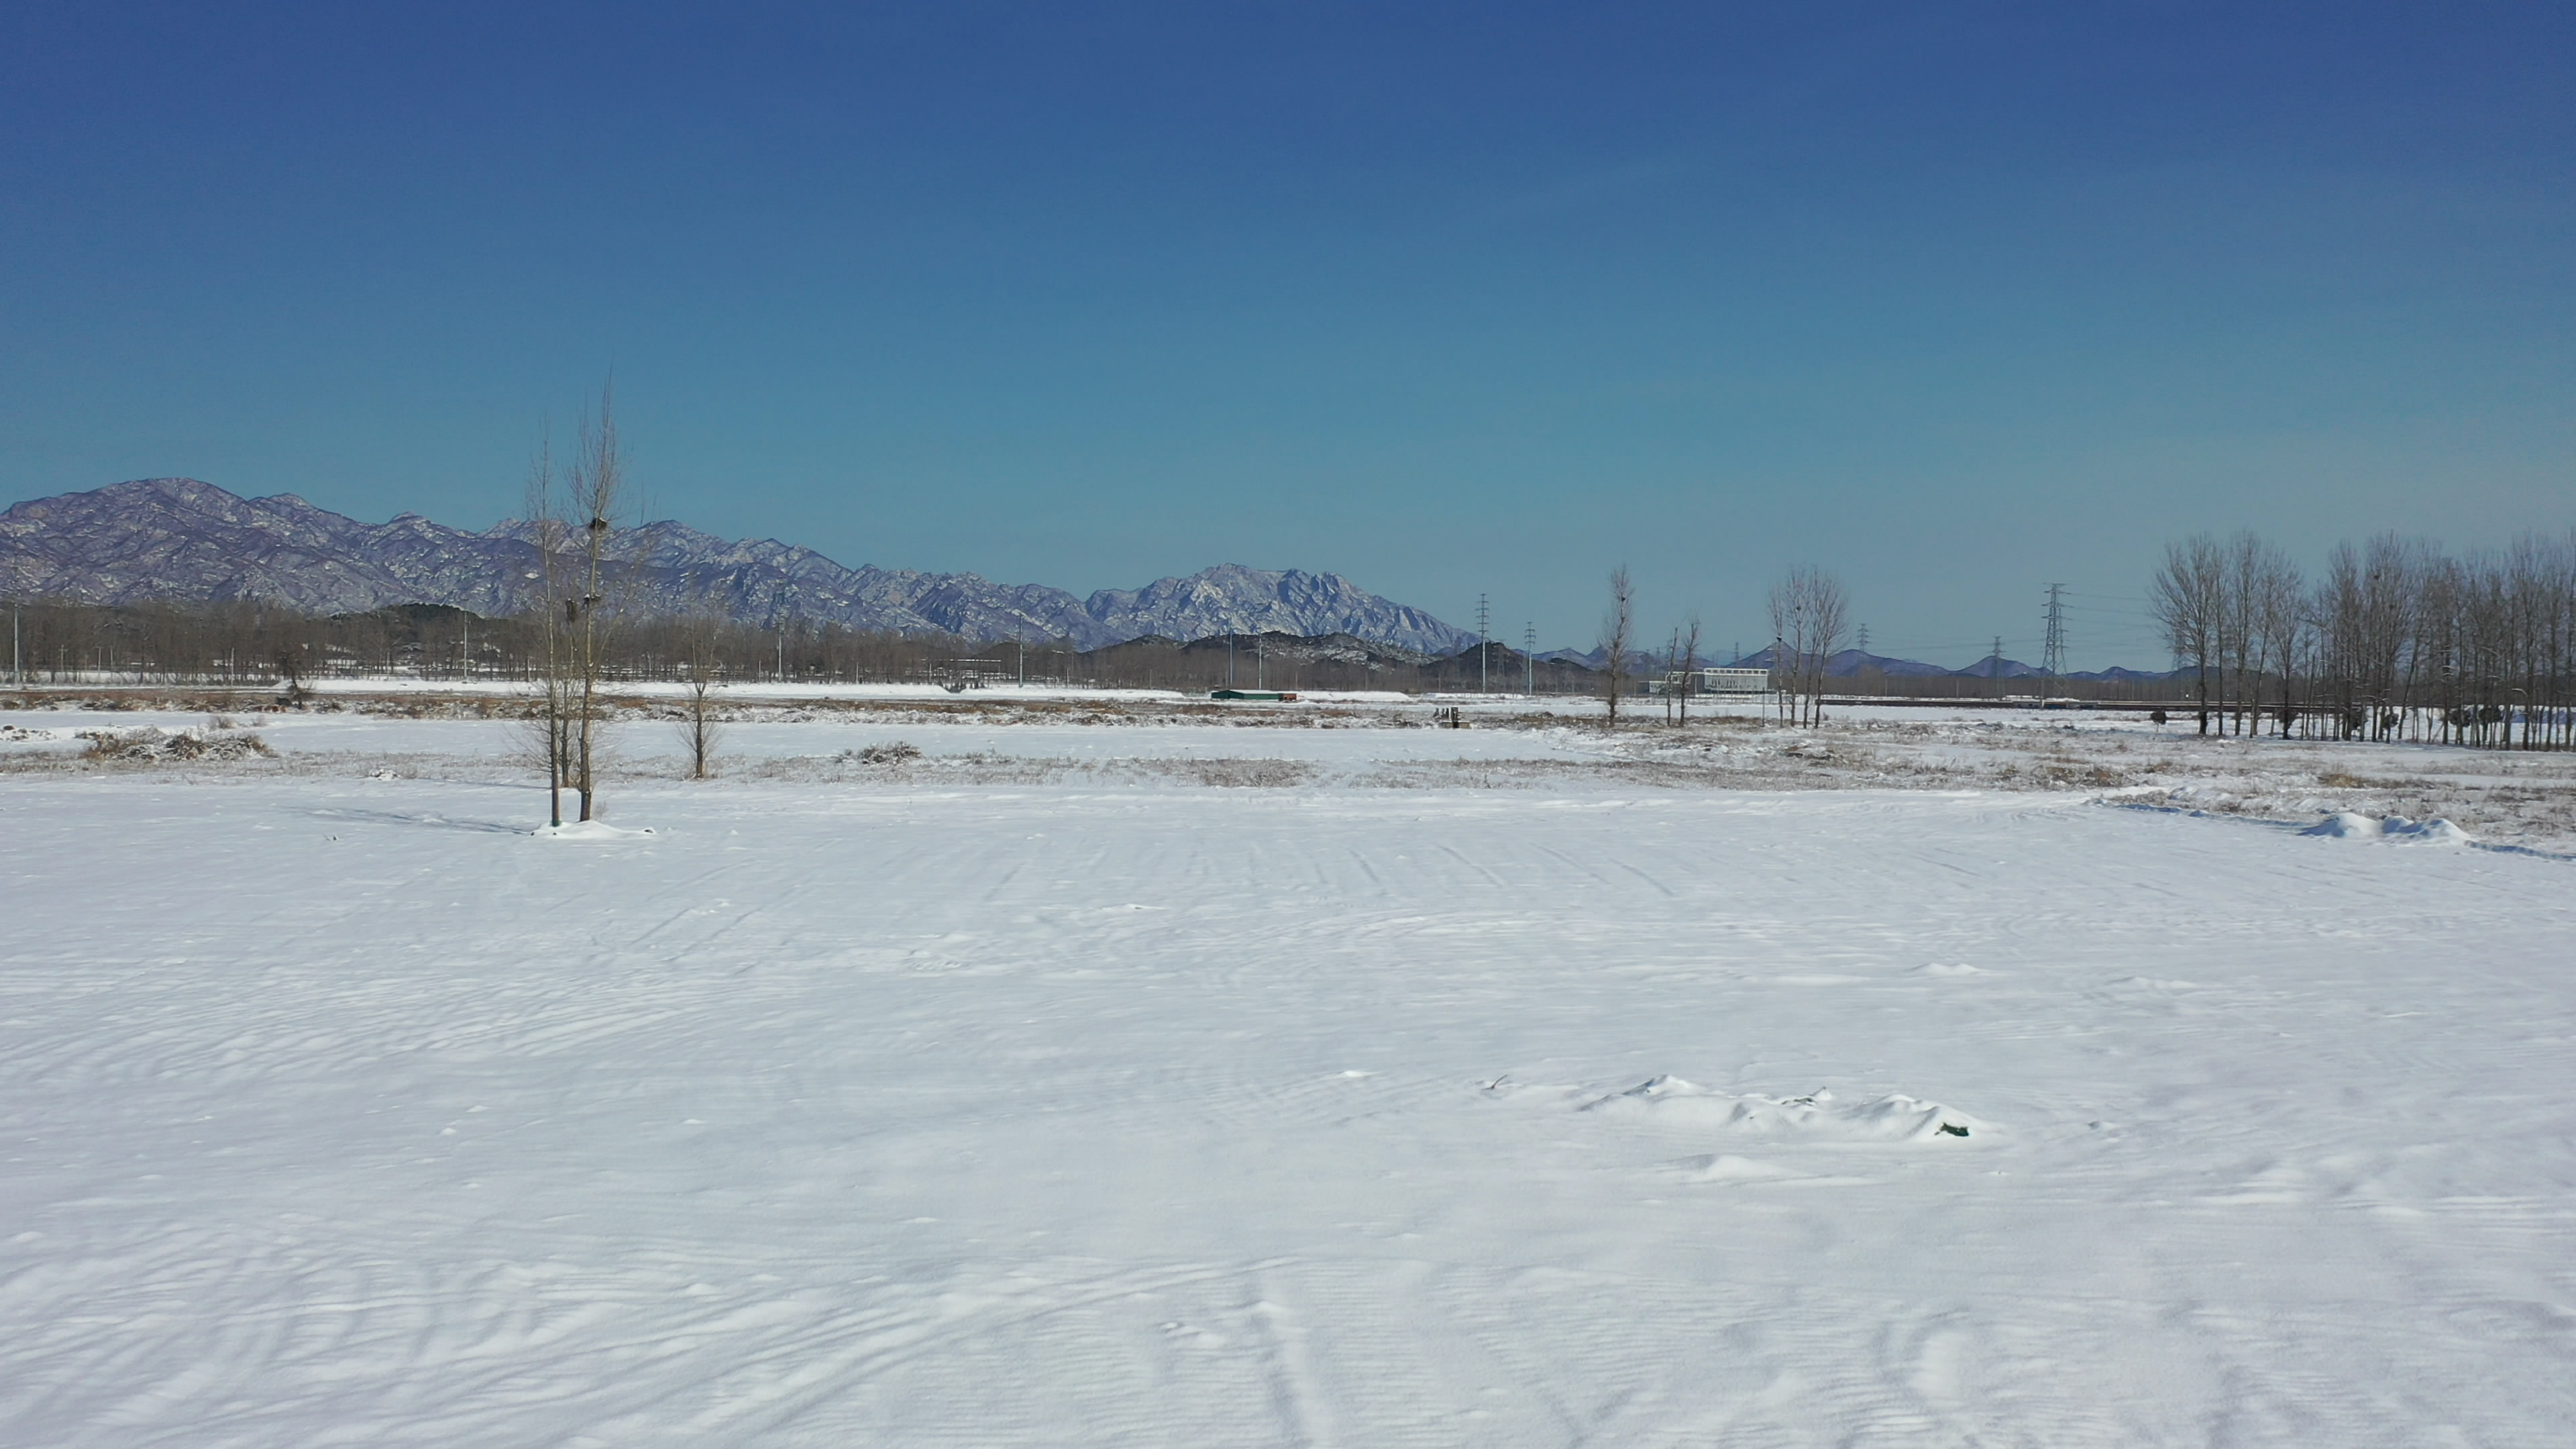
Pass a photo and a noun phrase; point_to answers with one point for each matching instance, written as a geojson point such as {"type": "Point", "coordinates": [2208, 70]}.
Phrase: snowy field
{"type": "Point", "coordinates": [843, 735]}
{"type": "Point", "coordinates": [1508, 1087]}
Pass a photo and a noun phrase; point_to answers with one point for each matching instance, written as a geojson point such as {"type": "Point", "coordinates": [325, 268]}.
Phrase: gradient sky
{"type": "Point", "coordinates": [1952, 299]}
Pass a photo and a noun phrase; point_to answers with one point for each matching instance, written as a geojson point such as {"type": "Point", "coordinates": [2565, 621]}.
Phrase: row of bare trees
{"type": "Point", "coordinates": [1809, 616]}
{"type": "Point", "coordinates": [2395, 640]}
{"type": "Point", "coordinates": [249, 645]}
{"type": "Point", "coordinates": [1810, 612]}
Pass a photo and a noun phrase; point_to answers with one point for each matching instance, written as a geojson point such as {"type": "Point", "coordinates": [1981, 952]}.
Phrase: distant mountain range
{"type": "Point", "coordinates": [1850, 663]}
{"type": "Point", "coordinates": [177, 538]}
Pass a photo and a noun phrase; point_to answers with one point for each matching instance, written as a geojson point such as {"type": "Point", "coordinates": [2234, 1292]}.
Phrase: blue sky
{"type": "Point", "coordinates": [1955, 300]}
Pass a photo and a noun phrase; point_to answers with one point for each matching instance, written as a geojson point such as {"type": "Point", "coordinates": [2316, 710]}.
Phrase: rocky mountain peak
{"type": "Point", "coordinates": [180, 538]}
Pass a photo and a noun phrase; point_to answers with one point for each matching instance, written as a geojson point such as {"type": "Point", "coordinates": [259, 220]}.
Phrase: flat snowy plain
{"type": "Point", "coordinates": [1064, 1106]}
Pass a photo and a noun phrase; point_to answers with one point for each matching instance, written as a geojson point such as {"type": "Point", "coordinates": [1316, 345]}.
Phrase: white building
{"type": "Point", "coordinates": [1713, 681]}
{"type": "Point", "coordinates": [1733, 681]}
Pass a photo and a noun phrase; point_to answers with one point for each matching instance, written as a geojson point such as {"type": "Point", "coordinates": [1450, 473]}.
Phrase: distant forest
{"type": "Point", "coordinates": [251, 645]}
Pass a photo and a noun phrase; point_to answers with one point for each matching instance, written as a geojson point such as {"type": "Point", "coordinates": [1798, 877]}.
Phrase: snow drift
{"type": "Point", "coordinates": [1818, 1116]}
{"type": "Point", "coordinates": [2345, 825]}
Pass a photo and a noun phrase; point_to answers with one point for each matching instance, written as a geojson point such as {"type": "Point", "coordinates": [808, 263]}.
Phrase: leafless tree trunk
{"type": "Point", "coordinates": [2280, 625]}
{"type": "Point", "coordinates": [1616, 627]}
{"type": "Point", "coordinates": [595, 489]}
{"type": "Point", "coordinates": [546, 533]}
{"type": "Point", "coordinates": [1689, 670]}
{"type": "Point", "coordinates": [701, 639]}
{"type": "Point", "coordinates": [2398, 576]}
{"type": "Point", "coordinates": [1828, 610]}
{"type": "Point", "coordinates": [1787, 624]}
{"type": "Point", "coordinates": [2188, 596]}
{"type": "Point", "coordinates": [1808, 613]}
{"type": "Point", "coordinates": [2261, 605]}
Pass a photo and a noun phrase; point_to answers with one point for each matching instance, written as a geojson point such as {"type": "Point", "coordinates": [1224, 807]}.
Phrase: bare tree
{"type": "Point", "coordinates": [1616, 626]}
{"type": "Point", "coordinates": [2280, 616]}
{"type": "Point", "coordinates": [2188, 596]}
{"type": "Point", "coordinates": [550, 609]}
{"type": "Point", "coordinates": [1786, 676]}
{"type": "Point", "coordinates": [2405, 601]}
{"type": "Point", "coordinates": [2260, 607]}
{"type": "Point", "coordinates": [594, 488]}
{"type": "Point", "coordinates": [1829, 610]}
{"type": "Point", "coordinates": [1809, 610]}
{"type": "Point", "coordinates": [1686, 669]}
{"type": "Point", "coordinates": [701, 643]}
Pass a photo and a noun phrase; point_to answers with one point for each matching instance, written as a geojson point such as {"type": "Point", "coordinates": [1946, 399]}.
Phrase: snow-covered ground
{"type": "Point", "coordinates": [1018, 1095]}
{"type": "Point", "coordinates": [2504, 798]}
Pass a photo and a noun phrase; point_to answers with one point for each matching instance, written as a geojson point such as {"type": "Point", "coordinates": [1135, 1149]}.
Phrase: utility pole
{"type": "Point", "coordinates": [2052, 659]}
{"type": "Point", "coordinates": [1484, 650]}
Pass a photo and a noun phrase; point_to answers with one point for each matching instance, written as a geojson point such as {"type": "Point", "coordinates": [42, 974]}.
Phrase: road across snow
{"type": "Point", "coordinates": [349, 1112]}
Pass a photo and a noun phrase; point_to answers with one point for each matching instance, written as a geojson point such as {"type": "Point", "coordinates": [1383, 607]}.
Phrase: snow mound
{"type": "Point", "coordinates": [587, 830]}
{"type": "Point", "coordinates": [1939, 968]}
{"type": "Point", "coordinates": [1818, 1116]}
{"type": "Point", "coordinates": [2423, 832]}
{"type": "Point", "coordinates": [2345, 825]}
{"type": "Point", "coordinates": [1730, 1168]}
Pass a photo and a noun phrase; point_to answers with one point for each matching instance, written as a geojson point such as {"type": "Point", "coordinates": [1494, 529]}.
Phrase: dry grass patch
{"type": "Point", "coordinates": [156, 747]}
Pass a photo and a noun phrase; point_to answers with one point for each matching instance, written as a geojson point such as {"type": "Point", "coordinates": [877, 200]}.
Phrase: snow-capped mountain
{"type": "Point", "coordinates": [177, 538]}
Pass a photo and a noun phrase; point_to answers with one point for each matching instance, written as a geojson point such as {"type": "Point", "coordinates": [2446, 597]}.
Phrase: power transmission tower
{"type": "Point", "coordinates": [2052, 659]}
{"type": "Point", "coordinates": [1484, 650]}
{"type": "Point", "coordinates": [1529, 658]}
{"type": "Point", "coordinates": [1995, 663]}
{"type": "Point", "coordinates": [1864, 638]}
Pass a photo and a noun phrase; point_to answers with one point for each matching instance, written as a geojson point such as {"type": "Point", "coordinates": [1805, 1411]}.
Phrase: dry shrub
{"type": "Point", "coordinates": [1239, 774]}
{"type": "Point", "coordinates": [154, 747]}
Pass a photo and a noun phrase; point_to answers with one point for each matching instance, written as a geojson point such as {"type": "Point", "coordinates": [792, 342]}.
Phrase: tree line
{"type": "Point", "coordinates": [249, 645]}
{"type": "Point", "coordinates": [2395, 639]}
